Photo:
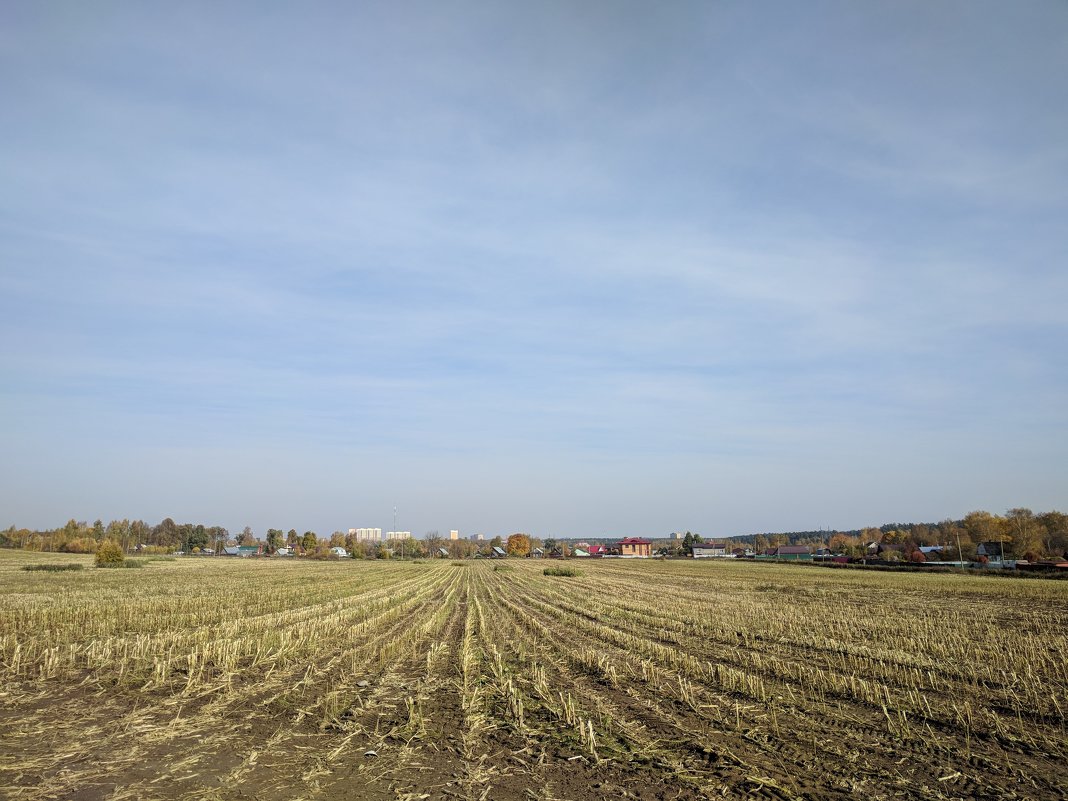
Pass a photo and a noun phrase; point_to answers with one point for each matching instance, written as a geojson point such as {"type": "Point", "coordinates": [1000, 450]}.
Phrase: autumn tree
{"type": "Point", "coordinates": [119, 530]}
{"type": "Point", "coordinates": [895, 537]}
{"type": "Point", "coordinates": [842, 543]}
{"type": "Point", "coordinates": [274, 540]}
{"type": "Point", "coordinates": [432, 540]}
{"type": "Point", "coordinates": [921, 535]}
{"type": "Point", "coordinates": [166, 533]}
{"type": "Point", "coordinates": [956, 538]}
{"type": "Point", "coordinates": [109, 554]}
{"type": "Point", "coordinates": [1055, 526]}
{"type": "Point", "coordinates": [518, 545]}
{"type": "Point", "coordinates": [982, 527]}
{"type": "Point", "coordinates": [217, 535]}
{"type": "Point", "coordinates": [308, 541]}
{"type": "Point", "coordinates": [462, 549]}
{"type": "Point", "coordinates": [1026, 533]}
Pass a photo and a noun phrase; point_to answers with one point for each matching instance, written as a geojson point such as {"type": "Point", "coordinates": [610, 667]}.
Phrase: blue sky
{"type": "Point", "coordinates": [572, 269]}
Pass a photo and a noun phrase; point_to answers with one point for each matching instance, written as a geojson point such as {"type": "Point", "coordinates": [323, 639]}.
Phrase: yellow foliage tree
{"type": "Point", "coordinates": [109, 553]}
{"type": "Point", "coordinates": [518, 545]}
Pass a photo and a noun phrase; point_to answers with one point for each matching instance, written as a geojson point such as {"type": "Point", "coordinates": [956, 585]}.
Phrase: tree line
{"type": "Point", "coordinates": [81, 537]}
{"type": "Point", "coordinates": [1022, 533]}
{"type": "Point", "coordinates": [168, 536]}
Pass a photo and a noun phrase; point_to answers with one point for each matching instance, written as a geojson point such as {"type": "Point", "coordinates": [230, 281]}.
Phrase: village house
{"type": "Point", "coordinates": [705, 550]}
{"type": "Point", "coordinates": [994, 551]}
{"type": "Point", "coordinates": [793, 552]}
{"type": "Point", "coordinates": [886, 550]}
{"type": "Point", "coordinates": [635, 547]}
{"type": "Point", "coordinates": [244, 550]}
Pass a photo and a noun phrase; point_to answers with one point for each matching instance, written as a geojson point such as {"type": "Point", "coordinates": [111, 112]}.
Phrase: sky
{"type": "Point", "coordinates": [573, 269]}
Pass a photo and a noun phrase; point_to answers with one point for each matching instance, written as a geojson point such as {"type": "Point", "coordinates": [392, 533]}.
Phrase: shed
{"type": "Point", "coordinates": [793, 552]}
{"type": "Point", "coordinates": [243, 550]}
{"type": "Point", "coordinates": [705, 550]}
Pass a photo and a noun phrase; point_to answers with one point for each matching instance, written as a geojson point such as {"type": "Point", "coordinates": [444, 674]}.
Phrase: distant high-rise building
{"type": "Point", "coordinates": [454, 534]}
{"type": "Point", "coordinates": [366, 534]}
{"type": "Point", "coordinates": [477, 537]}
{"type": "Point", "coordinates": [398, 535]}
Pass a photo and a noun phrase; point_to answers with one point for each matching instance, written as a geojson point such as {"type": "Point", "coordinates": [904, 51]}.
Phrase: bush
{"type": "Point", "coordinates": [53, 568]}
{"type": "Point", "coordinates": [109, 554]}
{"type": "Point", "coordinates": [502, 569]}
{"type": "Point", "coordinates": [561, 571]}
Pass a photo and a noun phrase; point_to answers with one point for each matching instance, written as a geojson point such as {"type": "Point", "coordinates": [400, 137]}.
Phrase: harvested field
{"type": "Point", "coordinates": [293, 679]}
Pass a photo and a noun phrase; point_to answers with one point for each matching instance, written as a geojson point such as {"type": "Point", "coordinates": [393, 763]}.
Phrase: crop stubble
{"type": "Point", "coordinates": [272, 679]}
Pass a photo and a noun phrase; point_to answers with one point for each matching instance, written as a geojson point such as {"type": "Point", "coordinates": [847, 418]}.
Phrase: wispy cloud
{"type": "Point", "coordinates": [599, 250]}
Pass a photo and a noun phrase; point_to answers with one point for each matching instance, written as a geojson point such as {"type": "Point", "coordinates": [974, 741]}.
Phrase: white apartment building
{"type": "Point", "coordinates": [398, 535]}
{"type": "Point", "coordinates": [366, 534]}
{"type": "Point", "coordinates": [454, 535]}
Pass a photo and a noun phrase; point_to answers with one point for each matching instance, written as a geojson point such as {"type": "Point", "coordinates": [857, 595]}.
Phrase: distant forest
{"type": "Point", "coordinates": [1022, 533]}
